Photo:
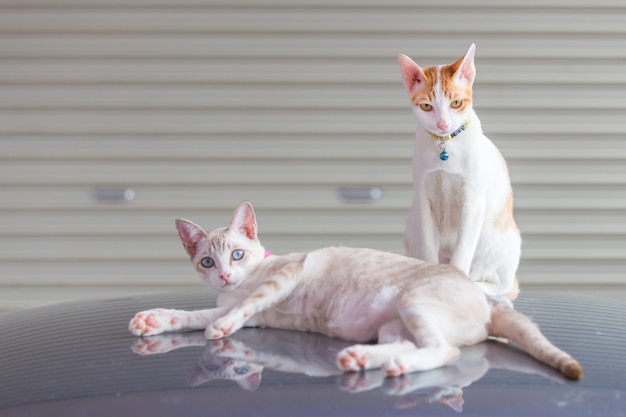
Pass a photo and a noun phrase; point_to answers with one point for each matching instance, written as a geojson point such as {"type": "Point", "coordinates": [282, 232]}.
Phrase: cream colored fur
{"type": "Point", "coordinates": [419, 313]}
{"type": "Point", "coordinates": [462, 210]}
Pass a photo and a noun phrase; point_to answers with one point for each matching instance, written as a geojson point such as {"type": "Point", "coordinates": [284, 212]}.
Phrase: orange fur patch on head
{"type": "Point", "coordinates": [453, 90]}
{"type": "Point", "coordinates": [427, 91]}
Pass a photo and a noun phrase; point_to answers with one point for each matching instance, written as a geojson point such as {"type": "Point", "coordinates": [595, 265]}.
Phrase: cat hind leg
{"type": "Point", "coordinates": [432, 349]}
{"type": "Point", "coordinates": [363, 357]}
{"type": "Point", "coordinates": [392, 340]}
{"type": "Point", "coordinates": [422, 359]}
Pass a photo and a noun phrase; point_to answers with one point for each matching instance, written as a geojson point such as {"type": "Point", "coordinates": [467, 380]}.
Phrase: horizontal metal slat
{"type": "Point", "coordinates": [301, 146]}
{"type": "Point", "coordinates": [565, 46]}
{"type": "Point", "coordinates": [161, 224]}
{"type": "Point", "coordinates": [560, 147]}
{"type": "Point", "coordinates": [570, 196]}
{"type": "Point", "coordinates": [574, 222]}
{"type": "Point", "coordinates": [204, 122]}
{"type": "Point", "coordinates": [568, 172]}
{"type": "Point", "coordinates": [305, 4]}
{"type": "Point", "coordinates": [288, 70]}
{"type": "Point", "coordinates": [201, 198]}
{"type": "Point", "coordinates": [312, 20]}
{"type": "Point", "coordinates": [97, 274]}
{"type": "Point", "coordinates": [235, 148]}
{"type": "Point", "coordinates": [571, 271]}
{"type": "Point", "coordinates": [292, 197]}
{"type": "Point", "coordinates": [350, 173]}
{"type": "Point", "coordinates": [365, 220]}
{"type": "Point", "coordinates": [134, 174]}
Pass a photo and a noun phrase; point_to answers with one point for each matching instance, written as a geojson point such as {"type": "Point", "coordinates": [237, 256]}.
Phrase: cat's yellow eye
{"type": "Point", "coordinates": [426, 106]}
{"type": "Point", "coordinates": [207, 262]}
{"type": "Point", "coordinates": [237, 254]}
{"type": "Point", "coordinates": [456, 104]}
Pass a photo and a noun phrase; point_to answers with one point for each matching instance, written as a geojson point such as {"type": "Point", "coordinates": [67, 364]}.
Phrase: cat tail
{"type": "Point", "coordinates": [511, 324]}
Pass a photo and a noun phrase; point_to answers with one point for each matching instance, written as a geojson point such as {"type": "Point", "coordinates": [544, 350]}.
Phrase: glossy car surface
{"type": "Point", "coordinates": [79, 359]}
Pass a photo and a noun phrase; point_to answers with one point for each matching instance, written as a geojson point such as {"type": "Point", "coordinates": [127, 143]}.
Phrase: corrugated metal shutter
{"type": "Point", "coordinates": [196, 105]}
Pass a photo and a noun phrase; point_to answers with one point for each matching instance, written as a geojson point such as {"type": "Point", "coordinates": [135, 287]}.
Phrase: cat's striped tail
{"type": "Point", "coordinates": [515, 326]}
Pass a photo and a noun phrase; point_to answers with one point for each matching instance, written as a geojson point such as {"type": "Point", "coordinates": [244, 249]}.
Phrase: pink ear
{"type": "Point", "coordinates": [244, 220]}
{"type": "Point", "coordinates": [412, 74]}
{"type": "Point", "coordinates": [250, 382]}
{"type": "Point", "coordinates": [191, 235]}
{"type": "Point", "coordinates": [464, 68]}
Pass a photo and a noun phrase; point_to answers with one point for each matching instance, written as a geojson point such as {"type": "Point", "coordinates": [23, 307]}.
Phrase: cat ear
{"type": "Point", "coordinates": [197, 377]}
{"type": "Point", "coordinates": [412, 74]}
{"type": "Point", "coordinates": [250, 382]}
{"type": "Point", "coordinates": [191, 235]}
{"type": "Point", "coordinates": [244, 220]}
{"type": "Point", "coordinates": [464, 69]}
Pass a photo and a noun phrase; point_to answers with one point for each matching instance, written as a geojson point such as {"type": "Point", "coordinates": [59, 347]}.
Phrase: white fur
{"type": "Point", "coordinates": [456, 205]}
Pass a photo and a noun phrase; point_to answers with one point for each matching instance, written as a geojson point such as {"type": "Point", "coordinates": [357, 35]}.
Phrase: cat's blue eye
{"type": "Point", "coordinates": [241, 370]}
{"type": "Point", "coordinates": [207, 262]}
{"type": "Point", "coordinates": [238, 254]}
{"type": "Point", "coordinates": [212, 367]}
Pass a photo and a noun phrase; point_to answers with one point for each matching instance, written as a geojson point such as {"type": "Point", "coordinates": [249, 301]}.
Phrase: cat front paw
{"type": "Point", "coordinates": [222, 328]}
{"type": "Point", "coordinates": [353, 359]}
{"type": "Point", "coordinates": [152, 322]}
{"type": "Point", "coordinates": [396, 367]}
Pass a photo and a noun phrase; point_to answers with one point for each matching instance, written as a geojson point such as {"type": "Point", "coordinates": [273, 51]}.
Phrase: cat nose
{"type": "Point", "coordinates": [224, 276]}
{"type": "Point", "coordinates": [442, 124]}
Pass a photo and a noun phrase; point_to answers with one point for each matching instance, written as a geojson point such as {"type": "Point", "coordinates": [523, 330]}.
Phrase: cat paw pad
{"type": "Point", "coordinates": [395, 367]}
{"type": "Point", "coordinates": [352, 359]}
{"type": "Point", "coordinates": [151, 322]}
{"type": "Point", "coordinates": [215, 332]}
{"type": "Point", "coordinates": [222, 328]}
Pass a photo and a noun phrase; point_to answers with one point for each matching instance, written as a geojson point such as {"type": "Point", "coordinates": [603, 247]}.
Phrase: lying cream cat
{"type": "Point", "coordinates": [462, 211]}
{"type": "Point", "coordinates": [420, 313]}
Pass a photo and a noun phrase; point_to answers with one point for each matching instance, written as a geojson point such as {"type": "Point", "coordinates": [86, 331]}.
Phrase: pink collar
{"type": "Point", "coordinates": [267, 254]}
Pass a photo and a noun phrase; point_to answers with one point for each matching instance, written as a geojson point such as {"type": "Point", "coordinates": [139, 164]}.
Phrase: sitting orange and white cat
{"type": "Point", "coordinates": [462, 210]}
{"type": "Point", "coordinates": [418, 312]}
